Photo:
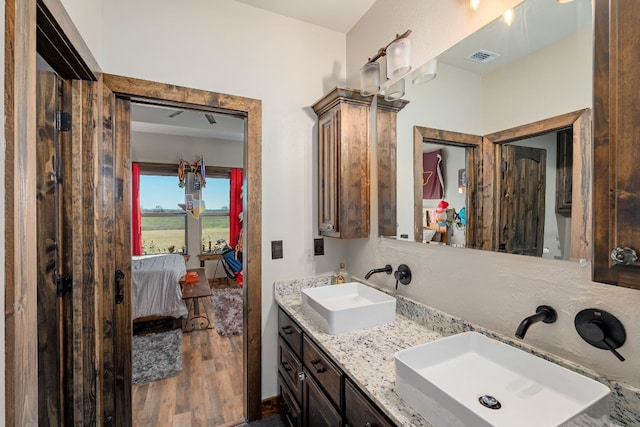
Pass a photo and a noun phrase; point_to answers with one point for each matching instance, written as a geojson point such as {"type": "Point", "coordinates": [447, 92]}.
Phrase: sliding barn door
{"type": "Point", "coordinates": [115, 259]}
{"type": "Point", "coordinates": [50, 250]}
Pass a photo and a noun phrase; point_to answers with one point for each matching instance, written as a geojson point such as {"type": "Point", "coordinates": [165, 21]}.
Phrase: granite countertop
{"type": "Point", "coordinates": [367, 355]}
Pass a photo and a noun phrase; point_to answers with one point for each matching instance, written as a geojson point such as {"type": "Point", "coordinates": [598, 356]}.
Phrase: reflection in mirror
{"type": "Point", "coordinates": [542, 70]}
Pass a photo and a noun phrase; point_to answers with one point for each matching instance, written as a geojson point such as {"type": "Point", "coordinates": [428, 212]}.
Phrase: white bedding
{"type": "Point", "coordinates": [155, 290]}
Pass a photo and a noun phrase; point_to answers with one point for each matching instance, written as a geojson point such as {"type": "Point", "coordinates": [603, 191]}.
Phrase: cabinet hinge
{"type": "Point", "coordinates": [63, 121]}
{"type": "Point", "coordinates": [64, 285]}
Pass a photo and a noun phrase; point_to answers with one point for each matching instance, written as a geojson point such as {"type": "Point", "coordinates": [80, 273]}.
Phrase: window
{"type": "Point", "coordinates": [163, 222]}
{"type": "Point", "coordinates": [165, 226]}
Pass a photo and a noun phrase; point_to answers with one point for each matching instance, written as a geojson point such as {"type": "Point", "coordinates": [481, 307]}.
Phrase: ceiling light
{"type": "Point", "coordinates": [508, 16]}
{"type": "Point", "coordinates": [398, 54]}
{"type": "Point", "coordinates": [474, 4]}
{"type": "Point", "coordinates": [564, 1]}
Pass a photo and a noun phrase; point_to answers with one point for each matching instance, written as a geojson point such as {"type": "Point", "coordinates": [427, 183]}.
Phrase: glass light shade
{"type": "Point", "coordinates": [395, 91]}
{"type": "Point", "coordinates": [370, 78]}
{"type": "Point", "coordinates": [426, 72]}
{"type": "Point", "coordinates": [398, 58]}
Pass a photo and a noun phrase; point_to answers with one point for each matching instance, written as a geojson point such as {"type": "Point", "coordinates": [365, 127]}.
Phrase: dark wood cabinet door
{"type": "Point", "coordinates": [358, 411]}
{"type": "Point", "coordinates": [317, 409]}
{"type": "Point", "coordinates": [616, 107]}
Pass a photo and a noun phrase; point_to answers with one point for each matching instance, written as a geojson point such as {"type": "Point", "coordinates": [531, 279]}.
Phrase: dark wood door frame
{"type": "Point", "coordinates": [580, 122]}
{"type": "Point", "coordinates": [251, 109]}
{"type": "Point", "coordinates": [25, 21]}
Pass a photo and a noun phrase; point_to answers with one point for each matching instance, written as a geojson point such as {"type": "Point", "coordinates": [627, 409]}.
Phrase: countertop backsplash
{"type": "Point", "coordinates": [624, 400]}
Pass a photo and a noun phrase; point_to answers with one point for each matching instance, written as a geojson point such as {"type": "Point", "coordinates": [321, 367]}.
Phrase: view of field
{"type": "Point", "coordinates": [159, 233]}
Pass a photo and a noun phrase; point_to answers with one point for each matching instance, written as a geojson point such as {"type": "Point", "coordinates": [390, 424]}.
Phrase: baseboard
{"type": "Point", "coordinates": [270, 406]}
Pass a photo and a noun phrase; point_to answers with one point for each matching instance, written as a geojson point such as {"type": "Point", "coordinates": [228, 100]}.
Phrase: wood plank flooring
{"type": "Point", "coordinates": [208, 392]}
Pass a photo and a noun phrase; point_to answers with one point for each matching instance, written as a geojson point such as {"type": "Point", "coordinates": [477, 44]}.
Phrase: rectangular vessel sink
{"type": "Point", "coordinates": [445, 381]}
{"type": "Point", "coordinates": [348, 307]}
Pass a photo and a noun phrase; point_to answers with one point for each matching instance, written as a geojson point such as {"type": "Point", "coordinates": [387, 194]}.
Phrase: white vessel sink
{"type": "Point", "coordinates": [445, 380]}
{"type": "Point", "coordinates": [348, 307]}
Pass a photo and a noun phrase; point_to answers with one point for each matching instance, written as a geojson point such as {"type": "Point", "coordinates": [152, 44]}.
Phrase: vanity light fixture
{"type": "Point", "coordinates": [398, 54]}
{"type": "Point", "coordinates": [426, 72]}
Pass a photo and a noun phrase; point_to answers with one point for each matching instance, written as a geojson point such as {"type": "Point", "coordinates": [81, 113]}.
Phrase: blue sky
{"type": "Point", "coordinates": [164, 191]}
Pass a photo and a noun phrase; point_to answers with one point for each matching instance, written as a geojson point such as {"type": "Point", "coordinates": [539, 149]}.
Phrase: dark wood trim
{"type": "Point", "coordinates": [473, 145]}
{"type": "Point", "coordinates": [61, 45]}
{"type": "Point", "coordinates": [164, 94]}
{"type": "Point", "coordinates": [579, 121]}
{"type": "Point", "coordinates": [21, 334]}
{"type": "Point", "coordinates": [172, 169]}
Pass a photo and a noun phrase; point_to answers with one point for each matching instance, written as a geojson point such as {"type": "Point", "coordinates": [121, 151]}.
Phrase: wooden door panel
{"type": "Point", "coordinates": [123, 339]}
{"type": "Point", "coordinates": [523, 202]}
{"type": "Point", "coordinates": [49, 314]}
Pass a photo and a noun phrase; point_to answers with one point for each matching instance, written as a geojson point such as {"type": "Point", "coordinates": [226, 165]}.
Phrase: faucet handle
{"type": "Point", "coordinates": [601, 329]}
{"type": "Point", "coordinates": [402, 275]}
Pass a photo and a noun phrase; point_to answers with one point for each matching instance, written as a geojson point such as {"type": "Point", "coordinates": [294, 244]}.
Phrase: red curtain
{"type": "Point", "coordinates": [136, 213]}
{"type": "Point", "coordinates": [235, 206]}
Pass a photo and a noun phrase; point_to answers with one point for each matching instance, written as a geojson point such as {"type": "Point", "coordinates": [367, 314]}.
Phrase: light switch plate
{"type": "Point", "coordinates": [318, 246]}
{"type": "Point", "coordinates": [276, 249]}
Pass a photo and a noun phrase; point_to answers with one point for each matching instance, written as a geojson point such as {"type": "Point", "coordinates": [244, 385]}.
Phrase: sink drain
{"type": "Point", "coordinates": [489, 402]}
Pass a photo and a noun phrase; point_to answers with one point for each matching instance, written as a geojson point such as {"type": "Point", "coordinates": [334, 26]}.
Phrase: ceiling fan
{"type": "Point", "coordinates": [208, 116]}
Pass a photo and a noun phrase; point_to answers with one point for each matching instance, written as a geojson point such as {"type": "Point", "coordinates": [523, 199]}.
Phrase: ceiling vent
{"type": "Point", "coordinates": [482, 56]}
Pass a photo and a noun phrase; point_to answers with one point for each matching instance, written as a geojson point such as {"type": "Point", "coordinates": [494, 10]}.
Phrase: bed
{"type": "Point", "coordinates": [155, 287]}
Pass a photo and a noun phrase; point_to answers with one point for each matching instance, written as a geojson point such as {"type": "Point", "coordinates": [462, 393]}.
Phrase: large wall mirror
{"type": "Point", "coordinates": [508, 119]}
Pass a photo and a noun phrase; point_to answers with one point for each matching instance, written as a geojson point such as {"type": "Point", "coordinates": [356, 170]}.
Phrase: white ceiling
{"type": "Point", "coordinates": [337, 15]}
{"type": "Point", "coordinates": [156, 119]}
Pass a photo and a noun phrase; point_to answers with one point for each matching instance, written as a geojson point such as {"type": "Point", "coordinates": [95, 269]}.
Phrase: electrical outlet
{"type": "Point", "coordinates": [318, 246]}
{"type": "Point", "coordinates": [276, 249]}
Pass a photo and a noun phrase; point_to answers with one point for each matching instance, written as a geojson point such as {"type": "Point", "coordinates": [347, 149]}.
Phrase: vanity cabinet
{"type": "Point", "coordinates": [616, 107]}
{"type": "Point", "coordinates": [344, 168]}
{"type": "Point", "coordinates": [313, 389]}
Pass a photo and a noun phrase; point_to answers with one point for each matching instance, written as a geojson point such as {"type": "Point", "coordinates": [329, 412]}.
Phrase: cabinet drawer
{"type": "Point", "coordinates": [328, 376]}
{"type": "Point", "coordinates": [359, 411]}
{"type": "Point", "coordinates": [290, 367]}
{"type": "Point", "coordinates": [291, 408]}
{"type": "Point", "coordinates": [290, 331]}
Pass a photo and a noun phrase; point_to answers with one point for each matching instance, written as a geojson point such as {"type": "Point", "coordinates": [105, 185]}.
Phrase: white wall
{"type": "Point", "coordinates": [87, 17]}
{"type": "Point", "coordinates": [229, 47]}
{"type": "Point", "coordinates": [493, 290]}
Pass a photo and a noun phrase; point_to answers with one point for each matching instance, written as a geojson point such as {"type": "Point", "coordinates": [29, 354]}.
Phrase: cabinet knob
{"type": "Point", "coordinates": [302, 376]}
{"type": "Point", "coordinates": [624, 256]}
{"type": "Point", "coordinates": [287, 330]}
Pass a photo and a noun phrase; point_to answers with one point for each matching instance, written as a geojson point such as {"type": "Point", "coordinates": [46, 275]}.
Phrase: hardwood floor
{"type": "Point", "coordinates": [208, 392]}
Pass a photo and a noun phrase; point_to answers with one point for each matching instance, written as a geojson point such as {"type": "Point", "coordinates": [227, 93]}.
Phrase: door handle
{"type": "Point", "coordinates": [119, 287]}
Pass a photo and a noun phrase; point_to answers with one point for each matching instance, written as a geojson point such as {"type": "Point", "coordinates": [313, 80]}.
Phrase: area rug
{"type": "Point", "coordinates": [228, 310]}
{"type": "Point", "coordinates": [156, 356]}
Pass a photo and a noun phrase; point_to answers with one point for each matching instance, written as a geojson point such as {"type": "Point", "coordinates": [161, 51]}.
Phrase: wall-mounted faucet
{"type": "Point", "coordinates": [544, 313]}
{"type": "Point", "coordinates": [386, 269]}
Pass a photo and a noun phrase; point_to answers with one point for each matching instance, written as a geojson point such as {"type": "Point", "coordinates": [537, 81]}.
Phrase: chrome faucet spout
{"type": "Point", "coordinates": [386, 269]}
{"type": "Point", "coordinates": [544, 313]}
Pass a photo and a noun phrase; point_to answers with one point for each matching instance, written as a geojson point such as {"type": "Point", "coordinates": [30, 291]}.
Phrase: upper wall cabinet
{"type": "Point", "coordinates": [344, 163]}
{"type": "Point", "coordinates": [616, 138]}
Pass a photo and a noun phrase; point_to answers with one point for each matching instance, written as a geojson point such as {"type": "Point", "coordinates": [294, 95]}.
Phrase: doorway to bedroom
{"type": "Point", "coordinates": [187, 239]}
